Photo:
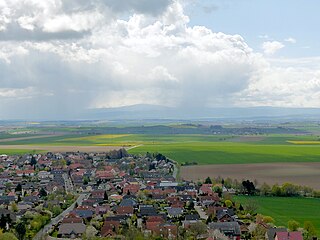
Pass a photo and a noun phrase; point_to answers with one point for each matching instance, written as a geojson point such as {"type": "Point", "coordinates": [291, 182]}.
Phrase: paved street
{"type": "Point", "coordinates": [201, 213]}
{"type": "Point", "coordinates": [68, 183]}
{"type": "Point", "coordinates": [41, 234]}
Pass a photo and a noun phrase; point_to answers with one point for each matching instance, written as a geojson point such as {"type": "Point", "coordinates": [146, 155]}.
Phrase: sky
{"type": "Point", "coordinates": [58, 58]}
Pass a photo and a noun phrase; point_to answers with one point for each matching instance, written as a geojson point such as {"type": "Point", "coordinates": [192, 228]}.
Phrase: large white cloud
{"type": "Point", "coordinates": [57, 58]}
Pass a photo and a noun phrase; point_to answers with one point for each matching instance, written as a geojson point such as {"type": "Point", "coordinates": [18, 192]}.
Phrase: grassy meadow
{"type": "Point", "coordinates": [285, 209]}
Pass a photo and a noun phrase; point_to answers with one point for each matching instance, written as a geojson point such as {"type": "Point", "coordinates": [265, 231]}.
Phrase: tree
{"type": "Point", "coordinates": [276, 190]}
{"type": "Point", "coordinates": [212, 218]}
{"type": "Point", "coordinates": [208, 180]}
{"type": "Point", "coordinates": [3, 221]}
{"type": "Point", "coordinates": [257, 231]}
{"type": "Point", "coordinates": [43, 192]}
{"type": "Point", "coordinates": [33, 161]}
{"type": "Point", "coordinates": [268, 219]}
{"type": "Point", "coordinates": [123, 153]}
{"type": "Point", "coordinates": [105, 196]}
{"type": "Point", "coordinates": [293, 225]}
{"type": "Point", "coordinates": [198, 228]}
{"type": "Point", "coordinates": [86, 180]}
{"type": "Point", "coordinates": [133, 233]}
{"type": "Point", "coordinates": [217, 189]}
{"type": "Point", "coordinates": [159, 157]}
{"type": "Point", "coordinates": [222, 181]}
{"type": "Point", "coordinates": [190, 205]}
{"type": "Point", "coordinates": [288, 189]}
{"type": "Point", "coordinates": [216, 234]}
{"type": "Point", "coordinates": [7, 236]}
{"type": "Point", "coordinates": [91, 232]}
{"type": "Point", "coordinates": [265, 189]}
{"type": "Point", "coordinates": [21, 230]}
{"type": "Point", "coordinates": [249, 187]}
{"type": "Point", "coordinates": [56, 210]}
{"type": "Point", "coordinates": [228, 203]}
{"type": "Point", "coordinates": [18, 188]}
{"type": "Point", "coordinates": [14, 207]}
{"type": "Point", "coordinates": [310, 230]}
{"type": "Point", "coordinates": [241, 207]}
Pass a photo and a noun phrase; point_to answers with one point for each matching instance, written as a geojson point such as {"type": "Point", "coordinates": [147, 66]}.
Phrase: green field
{"type": "Point", "coordinates": [233, 153]}
{"type": "Point", "coordinates": [203, 149]}
{"type": "Point", "coordinates": [17, 151]}
{"type": "Point", "coordinates": [286, 209]}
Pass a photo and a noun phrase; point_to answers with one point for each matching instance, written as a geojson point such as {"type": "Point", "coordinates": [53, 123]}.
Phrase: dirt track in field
{"type": "Point", "coordinates": [63, 148]}
{"type": "Point", "coordinates": [306, 174]}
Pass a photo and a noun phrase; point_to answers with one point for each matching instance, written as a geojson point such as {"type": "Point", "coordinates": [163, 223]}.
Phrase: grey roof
{"type": "Point", "coordinates": [6, 212]}
{"type": "Point", "coordinates": [69, 228]}
{"type": "Point", "coordinates": [223, 212]}
{"type": "Point", "coordinates": [6, 199]}
{"type": "Point", "coordinates": [175, 211]}
{"type": "Point", "coordinates": [31, 199]}
{"type": "Point", "coordinates": [192, 217]}
{"type": "Point", "coordinates": [120, 218]}
{"type": "Point", "coordinates": [128, 203]}
{"type": "Point", "coordinates": [272, 232]}
{"type": "Point", "coordinates": [84, 213]}
{"type": "Point", "coordinates": [228, 228]}
{"type": "Point", "coordinates": [185, 197]}
{"type": "Point", "coordinates": [147, 210]}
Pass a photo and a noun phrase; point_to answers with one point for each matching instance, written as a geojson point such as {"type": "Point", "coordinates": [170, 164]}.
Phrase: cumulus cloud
{"type": "Point", "coordinates": [271, 47]}
{"type": "Point", "coordinates": [294, 87]}
{"type": "Point", "coordinates": [60, 57]}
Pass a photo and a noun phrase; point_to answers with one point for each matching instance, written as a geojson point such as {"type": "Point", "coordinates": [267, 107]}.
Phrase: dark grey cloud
{"type": "Point", "coordinates": [152, 7]}
{"type": "Point", "coordinates": [50, 87]}
{"type": "Point", "coordinates": [14, 32]}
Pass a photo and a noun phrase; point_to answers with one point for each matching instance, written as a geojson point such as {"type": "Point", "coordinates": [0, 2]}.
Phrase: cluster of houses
{"type": "Point", "coordinates": [138, 192]}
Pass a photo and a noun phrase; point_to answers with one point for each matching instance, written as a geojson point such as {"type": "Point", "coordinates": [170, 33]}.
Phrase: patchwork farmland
{"type": "Point", "coordinates": [274, 158]}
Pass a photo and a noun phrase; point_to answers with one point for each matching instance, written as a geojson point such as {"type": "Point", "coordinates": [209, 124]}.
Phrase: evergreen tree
{"type": "Point", "coordinates": [18, 188]}
{"type": "Point", "coordinates": [208, 180]}
{"type": "Point", "coordinates": [33, 161]}
{"type": "Point", "coordinates": [3, 221]}
{"type": "Point", "coordinates": [43, 192]}
{"type": "Point", "coordinates": [21, 230]}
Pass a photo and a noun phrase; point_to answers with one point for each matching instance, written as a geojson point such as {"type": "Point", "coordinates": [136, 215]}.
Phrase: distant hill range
{"type": "Point", "coordinates": [143, 111]}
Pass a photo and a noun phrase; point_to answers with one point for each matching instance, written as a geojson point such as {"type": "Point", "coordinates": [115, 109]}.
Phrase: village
{"type": "Point", "coordinates": [115, 195]}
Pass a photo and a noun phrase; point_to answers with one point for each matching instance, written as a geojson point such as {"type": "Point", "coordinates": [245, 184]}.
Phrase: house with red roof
{"type": "Point", "coordinates": [206, 189]}
{"type": "Point", "coordinates": [104, 175]}
{"type": "Point", "coordinates": [288, 236]}
{"type": "Point", "coordinates": [131, 188]}
{"type": "Point", "coordinates": [125, 210]}
{"type": "Point", "coordinates": [28, 173]}
{"type": "Point", "coordinates": [110, 228]}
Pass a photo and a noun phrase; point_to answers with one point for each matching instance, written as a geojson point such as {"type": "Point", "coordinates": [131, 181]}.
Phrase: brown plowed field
{"type": "Point", "coordinates": [307, 174]}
